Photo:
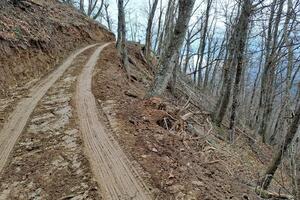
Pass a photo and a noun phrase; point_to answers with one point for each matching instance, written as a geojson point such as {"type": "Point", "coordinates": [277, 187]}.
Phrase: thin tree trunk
{"type": "Point", "coordinates": [187, 57]}
{"type": "Point", "coordinates": [276, 160]}
{"type": "Point", "coordinates": [158, 28]}
{"type": "Point", "coordinates": [121, 43]}
{"type": "Point", "coordinates": [107, 16]}
{"type": "Point", "coordinates": [203, 40]}
{"type": "Point", "coordinates": [268, 78]}
{"type": "Point", "coordinates": [228, 73]}
{"type": "Point", "coordinates": [219, 57]}
{"type": "Point", "coordinates": [99, 10]}
{"type": "Point", "coordinates": [81, 6]}
{"type": "Point", "coordinates": [170, 57]}
{"type": "Point", "coordinates": [282, 119]}
{"type": "Point", "coordinates": [168, 28]}
{"type": "Point", "coordinates": [119, 37]}
{"type": "Point", "coordinates": [209, 64]}
{"type": "Point", "coordinates": [149, 30]}
{"type": "Point", "coordinates": [241, 34]}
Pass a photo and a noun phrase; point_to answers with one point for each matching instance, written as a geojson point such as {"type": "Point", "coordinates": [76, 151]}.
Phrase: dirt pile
{"type": "Point", "coordinates": [176, 148]}
{"type": "Point", "coordinates": [34, 37]}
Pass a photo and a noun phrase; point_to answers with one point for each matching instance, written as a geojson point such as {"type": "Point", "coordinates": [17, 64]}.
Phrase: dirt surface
{"type": "Point", "coordinates": [48, 161]}
{"type": "Point", "coordinates": [116, 176]}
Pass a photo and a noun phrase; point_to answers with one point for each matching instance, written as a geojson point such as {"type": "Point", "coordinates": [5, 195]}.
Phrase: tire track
{"type": "Point", "coordinates": [114, 173]}
{"type": "Point", "coordinates": [19, 117]}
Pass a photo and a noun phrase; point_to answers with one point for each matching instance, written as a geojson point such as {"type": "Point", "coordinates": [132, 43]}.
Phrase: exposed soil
{"type": "Point", "coordinates": [48, 161]}
{"type": "Point", "coordinates": [35, 36]}
{"type": "Point", "coordinates": [178, 163]}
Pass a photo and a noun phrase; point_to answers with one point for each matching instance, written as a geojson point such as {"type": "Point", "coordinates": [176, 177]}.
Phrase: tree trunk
{"type": "Point", "coordinates": [209, 64]}
{"type": "Point", "coordinates": [203, 40]}
{"type": "Point", "coordinates": [149, 30]}
{"type": "Point", "coordinates": [121, 43]}
{"type": "Point", "coordinates": [158, 28]}
{"type": "Point", "coordinates": [241, 34]}
{"type": "Point", "coordinates": [187, 56]}
{"type": "Point", "coordinates": [268, 78]}
{"type": "Point", "coordinates": [228, 74]}
{"type": "Point", "coordinates": [81, 6]}
{"type": "Point", "coordinates": [297, 178]}
{"type": "Point", "coordinates": [170, 57]}
{"type": "Point", "coordinates": [168, 28]}
{"type": "Point", "coordinates": [269, 174]}
{"type": "Point", "coordinates": [107, 16]}
{"type": "Point", "coordinates": [120, 13]}
{"type": "Point", "coordinates": [99, 10]}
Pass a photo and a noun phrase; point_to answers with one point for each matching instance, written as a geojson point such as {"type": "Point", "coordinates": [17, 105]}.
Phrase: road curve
{"type": "Point", "coordinates": [112, 169]}
{"type": "Point", "coordinates": [18, 118]}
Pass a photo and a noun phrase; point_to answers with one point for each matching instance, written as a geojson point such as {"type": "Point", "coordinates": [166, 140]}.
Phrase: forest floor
{"type": "Point", "coordinates": [175, 162]}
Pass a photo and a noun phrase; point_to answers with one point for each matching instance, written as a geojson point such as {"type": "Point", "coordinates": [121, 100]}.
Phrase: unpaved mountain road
{"type": "Point", "coordinates": [19, 117]}
{"type": "Point", "coordinates": [116, 177]}
{"type": "Point", "coordinates": [112, 169]}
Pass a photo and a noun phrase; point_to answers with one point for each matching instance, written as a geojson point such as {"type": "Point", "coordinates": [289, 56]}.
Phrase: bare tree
{"type": "Point", "coordinates": [203, 40]}
{"type": "Point", "coordinates": [159, 27]}
{"type": "Point", "coordinates": [107, 17]}
{"type": "Point", "coordinates": [268, 76]}
{"type": "Point", "coordinates": [81, 6]}
{"type": "Point", "coordinates": [276, 160]}
{"type": "Point", "coordinates": [166, 34]}
{"type": "Point", "coordinates": [121, 42]}
{"type": "Point", "coordinates": [149, 29]}
{"type": "Point", "coordinates": [169, 59]}
{"type": "Point", "coordinates": [241, 37]}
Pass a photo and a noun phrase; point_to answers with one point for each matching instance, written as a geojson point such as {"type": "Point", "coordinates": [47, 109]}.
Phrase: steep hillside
{"type": "Point", "coordinates": [36, 35]}
{"type": "Point", "coordinates": [174, 144]}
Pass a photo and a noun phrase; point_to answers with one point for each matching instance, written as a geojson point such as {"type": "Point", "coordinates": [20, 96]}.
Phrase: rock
{"type": "Point", "coordinates": [154, 150]}
{"type": "Point", "coordinates": [180, 196]}
{"type": "Point", "coordinates": [71, 132]}
{"type": "Point", "coordinates": [42, 118]}
{"type": "Point", "coordinates": [192, 195]}
{"type": "Point", "coordinates": [64, 111]}
{"type": "Point", "coordinates": [70, 142]}
{"type": "Point", "coordinates": [176, 188]}
{"type": "Point", "coordinates": [198, 183]}
{"type": "Point", "coordinates": [159, 137]}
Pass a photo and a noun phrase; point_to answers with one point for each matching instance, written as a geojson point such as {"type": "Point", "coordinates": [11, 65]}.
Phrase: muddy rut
{"type": "Point", "coordinates": [113, 171]}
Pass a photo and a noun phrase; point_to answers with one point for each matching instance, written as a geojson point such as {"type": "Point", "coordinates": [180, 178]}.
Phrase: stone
{"type": "Point", "coordinates": [198, 183]}
{"type": "Point", "coordinates": [176, 188]}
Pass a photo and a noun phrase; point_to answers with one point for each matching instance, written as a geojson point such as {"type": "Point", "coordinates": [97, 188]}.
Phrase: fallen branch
{"type": "Point", "coordinates": [271, 195]}
{"type": "Point", "coordinates": [248, 136]}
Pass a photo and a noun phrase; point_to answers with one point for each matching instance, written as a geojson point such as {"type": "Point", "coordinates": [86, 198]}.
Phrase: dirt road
{"type": "Point", "coordinates": [113, 171]}
{"type": "Point", "coordinates": [19, 117]}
